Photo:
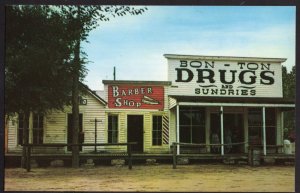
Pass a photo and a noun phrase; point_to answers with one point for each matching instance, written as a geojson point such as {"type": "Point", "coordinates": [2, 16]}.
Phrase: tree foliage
{"type": "Point", "coordinates": [289, 91]}
{"type": "Point", "coordinates": [289, 82]}
{"type": "Point", "coordinates": [44, 62]}
{"type": "Point", "coordinates": [38, 66]}
{"type": "Point", "coordinates": [38, 60]}
{"type": "Point", "coordinates": [83, 19]}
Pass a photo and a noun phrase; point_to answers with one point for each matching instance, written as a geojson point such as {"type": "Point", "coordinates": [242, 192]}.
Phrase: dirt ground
{"type": "Point", "coordinates": [200, 177]}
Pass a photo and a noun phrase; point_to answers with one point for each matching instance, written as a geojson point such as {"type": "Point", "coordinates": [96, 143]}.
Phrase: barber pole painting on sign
{"type": "Point", "coordinates": [135, 97]}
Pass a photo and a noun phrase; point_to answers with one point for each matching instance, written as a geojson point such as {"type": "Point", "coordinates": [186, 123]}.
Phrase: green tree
{"type": "Point", "coordinates": [289, 91]}
{"type": "Point", "coordinates": [83, 19]}
{"type": "Point", "coordinates": [38, 62]}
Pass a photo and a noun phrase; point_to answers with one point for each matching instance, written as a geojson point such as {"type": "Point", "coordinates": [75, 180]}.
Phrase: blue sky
{"type": "Point", "coordinates": [136, 44]}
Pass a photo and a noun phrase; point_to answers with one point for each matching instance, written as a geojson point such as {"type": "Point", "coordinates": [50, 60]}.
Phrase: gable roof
{"type": "Point", "coordinates": [93, 93]}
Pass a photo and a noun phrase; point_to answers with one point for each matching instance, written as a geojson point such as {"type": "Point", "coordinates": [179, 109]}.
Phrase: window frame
{"type": "Point", "coordinates": [158, 139]}
{"type": "Point", "coordinates": [113, 132]}
{"type": "Point", "coordinates": [193, 126]}
{"type": "Point", "coordinates": [38, 129]}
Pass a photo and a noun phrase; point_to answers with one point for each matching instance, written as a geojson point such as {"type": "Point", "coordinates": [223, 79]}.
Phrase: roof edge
{"type": "Point", "coordinates": [231, 58]}
{"type": "Point", "coordinates": [140, 82]}
{"type": "Point", "coordinates": [94, 94]}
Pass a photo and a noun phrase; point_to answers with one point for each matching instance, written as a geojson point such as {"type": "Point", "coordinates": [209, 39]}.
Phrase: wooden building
{"type": "Point", "coordinates": [225, 104]}
{"type": "Point", "coordinates": [137, 111]}
{"type": "Point", "coordinates": [226, 100]}
{"type": "Point", "coordinates": [55, 127]}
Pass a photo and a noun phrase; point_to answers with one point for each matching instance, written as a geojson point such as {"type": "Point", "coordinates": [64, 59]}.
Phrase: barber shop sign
{"type": "Point", "coordinates": [225, 78]}
{"type": "Point", "coordinates": [135, 97]}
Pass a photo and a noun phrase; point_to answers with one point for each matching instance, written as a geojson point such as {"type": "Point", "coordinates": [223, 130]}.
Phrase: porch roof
{"type": "Point", "coordinates": [234, 101]}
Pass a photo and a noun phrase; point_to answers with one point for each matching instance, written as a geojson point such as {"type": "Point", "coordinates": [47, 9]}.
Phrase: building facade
{"type": "Point", "coordinates": [137, 111]}
{"type": "Point", "coordinates": [224, 104]}
{"type": "Point", "coordinates": [56, 127]}
{"type": "Point", "coordinates": [227, 100]}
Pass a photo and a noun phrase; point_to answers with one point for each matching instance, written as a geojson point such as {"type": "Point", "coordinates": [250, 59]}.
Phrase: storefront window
{"type": "Point", "coordinates": [271, 126]}
{"type": "Point", "coordinates": [157, 130]}
{"type": "Point", "coordinates": [112, 129]}
{"type": "Point", "coordinates": [255, 124]}
{"type": "Point", "coordinates": [192, 124]}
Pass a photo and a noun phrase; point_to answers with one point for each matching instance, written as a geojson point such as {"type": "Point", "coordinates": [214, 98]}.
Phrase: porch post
{"type": "Point", "coordinates": [222, 131]}
{"type": "Point", "coordinates": [177, 128]}
{"type": "Point", "coordinates": [264, 130]}
{"type": "Point", "coordinates": [30, 127]}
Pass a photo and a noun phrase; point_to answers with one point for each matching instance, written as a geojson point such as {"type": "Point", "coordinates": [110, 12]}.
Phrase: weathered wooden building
{"type": "Point", "coordinates": [224, 104]}
{"type": "Point", "coordinates": [226, 100]}
{"type": "Point", "coordinates": [137, 111]}
{"type": "Point", "coordinates": [55, 127]}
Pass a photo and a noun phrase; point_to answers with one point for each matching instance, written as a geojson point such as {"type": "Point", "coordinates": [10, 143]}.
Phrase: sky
{"type": "Point", "coordinates": [135, 45]}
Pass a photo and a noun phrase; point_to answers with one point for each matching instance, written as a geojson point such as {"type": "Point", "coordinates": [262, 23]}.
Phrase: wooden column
{"type": "Point", "coordinates": [177, 128]}
{"type": "Point", "coordinates": [246, 131]}
{"type": "Point", "coordinates": [207, 128]}
{"type": "Point", "coordinates": [264, 130]}
{"type": "Point", "coordinates": [222, 130]}
{"type": "Point", "coordinates": [6, 134]}
{"type": "Point", "coordinates": [30, 127]}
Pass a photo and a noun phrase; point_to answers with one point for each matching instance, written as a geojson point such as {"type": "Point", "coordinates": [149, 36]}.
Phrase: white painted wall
{"type": "Point", "coordinates": [188, 88]}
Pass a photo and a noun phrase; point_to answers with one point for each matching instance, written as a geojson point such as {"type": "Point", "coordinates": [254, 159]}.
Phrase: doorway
{"type": "Point", "coordinates": [70, 132]}
{"type": "Point", "coordinates": [135, 132]}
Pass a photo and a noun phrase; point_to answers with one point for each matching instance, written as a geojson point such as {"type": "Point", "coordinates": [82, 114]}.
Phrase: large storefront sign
{"type": "Point", "coordinates": [225, 78]}
{"type": "Point", "coordinates": [135, 97]}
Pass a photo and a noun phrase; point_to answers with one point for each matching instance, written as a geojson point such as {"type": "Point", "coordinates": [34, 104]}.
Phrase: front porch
{"type": "Point", "coordinates": [132, 158]}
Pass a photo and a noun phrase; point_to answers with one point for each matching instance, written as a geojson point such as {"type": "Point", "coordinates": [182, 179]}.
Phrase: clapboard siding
{"type": "Point", "coordinates": [12, 133]}
{"type": "Point", "coordinates": [172, 102]}
{"type": "Point", "coordinates": [147, 121]}
{"type": "Point", "coordinates": [56, 127]}
{"type": "Point", "coordinates": [148, 147]}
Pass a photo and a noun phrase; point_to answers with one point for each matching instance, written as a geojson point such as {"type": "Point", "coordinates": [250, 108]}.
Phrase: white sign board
{"type": "Point", "coordinates": [225, 78]}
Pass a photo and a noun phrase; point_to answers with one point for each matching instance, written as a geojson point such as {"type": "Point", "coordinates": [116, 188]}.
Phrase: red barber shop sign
{"type": "Point", "coordinates": [135, 97]}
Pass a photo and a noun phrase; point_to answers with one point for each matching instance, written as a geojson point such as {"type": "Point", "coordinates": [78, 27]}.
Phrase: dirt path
{"type": "Point", "coordinates": [233, 178]}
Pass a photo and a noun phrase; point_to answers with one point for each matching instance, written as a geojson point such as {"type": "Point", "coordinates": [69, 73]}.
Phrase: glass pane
{"type": "Point", "coordinates": [157, 130]}
{"type": "Point", "coordinates": [255, 117]}
{"type": "Point", "coordinates": [198, 134]}
{"type": "Point", "coordinates": [271, 135]}
{"type": "Point", "coordinates": [270, 117]}
{"type": "Point", "coordinates": [20, 120]}
{"type": "Point", "coordinates": [114, 136]}
{"type": "Point", "coordinates": [185, 118]}
{"type": "Point", "coordinates": [112, 129]}
{"type": "Point", "coordinates": [35, 136]}
{"type": "Point", "coordinates": [109, 137]}
{"type": "Point", "coordinates": [20, 136]}
{"type": "Point", "coordinates": [255, 135]}
{"type": "Point", "coordinates": [185, 134]}
{"type": "Point", "coordinates": [41, 136]}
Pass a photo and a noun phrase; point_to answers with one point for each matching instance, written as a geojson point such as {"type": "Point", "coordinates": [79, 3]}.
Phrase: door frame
{"type": "Point", "coordinates": [143, 130]}
{"type": "Point", "coordinates": [66, 138]}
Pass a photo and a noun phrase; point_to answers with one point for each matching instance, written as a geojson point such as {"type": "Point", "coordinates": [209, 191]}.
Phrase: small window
{"type": "Point", "coordinates": [157, 130]}
{"type": "Point", "coordinates": [112, 129]}
{"type": "Point", "coordinates": [38, 128]}
{"type": "Point", "coordinates": [20, 128]}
